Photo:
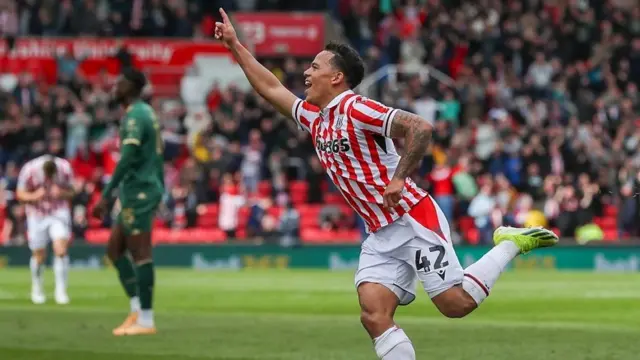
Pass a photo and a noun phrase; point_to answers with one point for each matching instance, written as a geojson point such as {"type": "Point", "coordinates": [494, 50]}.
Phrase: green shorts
{"type": "Point", "coordinates": [136, 215]}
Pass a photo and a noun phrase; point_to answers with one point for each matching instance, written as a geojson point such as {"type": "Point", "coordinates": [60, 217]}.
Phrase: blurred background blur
{"type": "Point", "coordinates": [535, 105]}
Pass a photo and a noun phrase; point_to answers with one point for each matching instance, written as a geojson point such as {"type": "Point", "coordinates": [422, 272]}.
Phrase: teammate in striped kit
{"type": "Point", "coordinates": [409, 235]}
{"type": "Point", "coordinates": [45, 185]}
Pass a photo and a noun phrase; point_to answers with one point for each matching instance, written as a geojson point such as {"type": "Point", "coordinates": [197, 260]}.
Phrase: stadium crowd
{"type": "Point", "coordinates": [539, 125]}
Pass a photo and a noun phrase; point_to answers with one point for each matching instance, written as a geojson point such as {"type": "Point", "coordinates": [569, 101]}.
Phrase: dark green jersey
{"type": "Point", "coordinates": [144, 175]}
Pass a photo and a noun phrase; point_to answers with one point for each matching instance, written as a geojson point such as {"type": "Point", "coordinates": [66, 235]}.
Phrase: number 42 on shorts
{"type": "Point", "coordinates": [423, 263]}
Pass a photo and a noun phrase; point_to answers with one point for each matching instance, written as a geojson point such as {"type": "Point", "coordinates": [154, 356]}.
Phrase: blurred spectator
{"type": "Point", "coordinates": [182, 204]}
{"type": "Point", "coordinates": [257, 213]}
{"type": "Point", "coordinates": [441, 180]}
{"type": "Point", "coordinates": [290, 226]}
{"type": "Point", "coordinates": [80, 213]}
{"type": "Point", "coordinates": [231, 200]}
{"type": "Point", "coordinates": [251, 167]}
{"type": "Point", "coordinates": [480, 209]}
{"type": "Point", "coordinates": [78, 124]}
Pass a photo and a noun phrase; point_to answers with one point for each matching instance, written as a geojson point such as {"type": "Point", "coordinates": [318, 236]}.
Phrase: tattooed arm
{"type": "Point", "coordinates": [416, 133]}
{"type": "Point", "coordinates": [373, 117]}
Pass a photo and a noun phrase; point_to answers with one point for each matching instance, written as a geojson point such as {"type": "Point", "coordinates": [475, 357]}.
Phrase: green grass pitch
{"type": "Point", "coordinates": [313, 315]}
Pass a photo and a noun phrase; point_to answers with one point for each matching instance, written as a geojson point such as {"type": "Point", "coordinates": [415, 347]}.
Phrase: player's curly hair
{"type": "Point", "coordinates": [348, 61]}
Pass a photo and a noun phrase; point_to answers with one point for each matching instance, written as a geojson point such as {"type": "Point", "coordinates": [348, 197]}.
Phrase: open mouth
{"type": "Point", "coordinates": [307, 83]}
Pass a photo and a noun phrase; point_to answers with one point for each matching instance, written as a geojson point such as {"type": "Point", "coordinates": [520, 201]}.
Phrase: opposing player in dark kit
{"type": "Point", "coordinates": [139, 178]}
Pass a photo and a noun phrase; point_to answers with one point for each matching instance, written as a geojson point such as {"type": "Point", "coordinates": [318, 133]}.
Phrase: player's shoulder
{"type": "Point", "coordinates": [140, 111]}
{"type": "Point", "coordinates": [62, 162]}
{"type": "Point", "coordinates": [363, 102]}
{"type": "Point", "coordinates": [307, 106]}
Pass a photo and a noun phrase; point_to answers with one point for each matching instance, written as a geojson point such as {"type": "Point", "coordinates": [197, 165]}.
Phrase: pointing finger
{"type": "Point", "coordinates": [225, 17]}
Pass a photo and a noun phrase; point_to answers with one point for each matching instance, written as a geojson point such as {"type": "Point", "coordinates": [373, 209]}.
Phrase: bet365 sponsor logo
{"type": "Point", "coordinates": [333, 146]}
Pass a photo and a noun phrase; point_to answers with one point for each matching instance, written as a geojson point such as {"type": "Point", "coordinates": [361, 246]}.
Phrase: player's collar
{"type": "Point", "coordinates": [336, 101]}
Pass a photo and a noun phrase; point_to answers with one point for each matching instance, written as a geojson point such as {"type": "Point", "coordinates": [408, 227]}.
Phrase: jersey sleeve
{"type": "Point", "coordinates": [24, 179]}
{"type": "Point", "coordinates": [304, 114]}
{"type": "Point", "coordinates": [131, 131]}
{"type": "Point", "coordinates": [372, 116]}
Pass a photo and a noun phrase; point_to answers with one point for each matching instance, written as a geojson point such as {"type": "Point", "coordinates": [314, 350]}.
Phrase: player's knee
{"type": "Point", "coordinates": [140, 254]}
{"type": "Point", "coordinates": [60, 248]}
{"type": "Point", "coordinates": [40, 255]}
{"type": "Point", "coordinates": [455, 303]}
{"type": "Point", "coordinates": [375, 321]}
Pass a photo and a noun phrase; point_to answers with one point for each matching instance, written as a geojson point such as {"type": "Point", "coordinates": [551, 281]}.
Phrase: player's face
{"type": "Point", "coordinates": [120, 89]}
{"type": "Point", "coordinates": [320, 78]}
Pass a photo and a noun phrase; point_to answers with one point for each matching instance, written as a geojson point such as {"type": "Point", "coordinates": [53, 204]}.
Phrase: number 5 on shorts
{"type": "Point", "coordinates": [422, 262]}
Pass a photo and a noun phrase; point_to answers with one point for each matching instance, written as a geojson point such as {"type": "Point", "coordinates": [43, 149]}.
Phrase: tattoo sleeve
{"type": "Point", "coordinates": [416, 133]}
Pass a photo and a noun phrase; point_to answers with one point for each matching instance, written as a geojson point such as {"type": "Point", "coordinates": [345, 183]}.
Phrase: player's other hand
{"type": "Point", "coordinates": [100, 210]}
{"type": "Point", "coordinates": [393, 193]}
{"type": "Point", "coordinates": [56, 192]}
{"type": "Point", "coordinates": [225, 32]}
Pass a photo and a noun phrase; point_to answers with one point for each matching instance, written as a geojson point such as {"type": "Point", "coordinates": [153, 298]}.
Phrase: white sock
{"type": "Point", "coordinates": [36, 273]}
{"type": "Point", "coordinates": [61, 272]}
{"type": "Point", "coordinates": [480, 277]}
{"type": "Point", "coordinates": [134, 302]}
{"type": "Point", "coordinates": [394, 344]}
{"type": "Point", "coordinates": [146, 318]}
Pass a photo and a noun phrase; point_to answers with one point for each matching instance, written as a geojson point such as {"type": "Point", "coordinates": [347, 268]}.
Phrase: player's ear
{"type": "Point", "coordinates": [337, 78]}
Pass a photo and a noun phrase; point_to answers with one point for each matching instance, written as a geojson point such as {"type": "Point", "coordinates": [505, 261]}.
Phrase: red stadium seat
{"type": "Point", "coordinates": [347, 236]}
{"type": "Point", "coordinates": [211, 209]}
{"type": "Point", "coordinates": [606, 223]}
{"type": "Point", "coordinates": [298, 191]}
{"type": "Point", "coordinates": [298, 198]}
{"type": "Point", "coordinates": [610, 210]}
{"type": "Point", "coordinates": [472, 236]}
{"type": "Point", "coordinates": [611, 235]}
{"type": "Point", "coordinates": [207, 221]}
{"type": "Point", "coordinates": [466, 223]}
{"type": "Point", "coordinates": [333, 198]}
{"type": "Point", "coordinates": [202, 236]}
{"type": "Point", "coordinates": [94, 223]}
{"type": "Point", "coordinates": [264, 189]}
{"type": "Point", "coordinates": [315, 236]}
{"type": "Point", "coordinates": [97, 236]}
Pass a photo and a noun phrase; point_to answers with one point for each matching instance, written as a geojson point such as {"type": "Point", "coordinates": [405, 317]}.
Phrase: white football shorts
{"type": "Point", "coordinates": [42, 230]}
{"type": "Point", "coordinates": [417, 246]}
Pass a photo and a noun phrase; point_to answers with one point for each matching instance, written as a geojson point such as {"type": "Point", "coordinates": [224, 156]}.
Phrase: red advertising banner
{"type": "Point", "coordinates": [38, 55]}
{"type": "Point", "coordinates": [277, 34]}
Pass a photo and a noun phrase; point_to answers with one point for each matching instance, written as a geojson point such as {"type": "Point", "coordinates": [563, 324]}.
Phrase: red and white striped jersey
{"type": "Point", "coordinates": [32, 178]}
{"type": "Point", "coordinates": [352, 138]}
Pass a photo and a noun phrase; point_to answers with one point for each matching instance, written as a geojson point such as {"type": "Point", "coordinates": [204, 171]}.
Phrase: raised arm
{"type": "Point", "coordinates": [262, 80]}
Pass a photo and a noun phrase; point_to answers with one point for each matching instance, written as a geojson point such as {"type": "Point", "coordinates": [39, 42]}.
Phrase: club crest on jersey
{"type": "Point", "coordinates": [333, 146]}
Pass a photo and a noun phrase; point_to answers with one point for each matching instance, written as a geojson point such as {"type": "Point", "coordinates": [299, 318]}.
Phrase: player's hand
{"type": "Point", "coordinates": [39, 194]}
{"type": "Point", "coordinates": [225, 32]}
{"type": "Point", "coordinates": [100, 210]}
{"type": "Point", "coordinates": [393, 193]}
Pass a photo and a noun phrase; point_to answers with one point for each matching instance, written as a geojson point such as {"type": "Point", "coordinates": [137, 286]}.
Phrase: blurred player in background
{"type": "Point", "coordinates": [45, 185]}
{"type": "Point", "coordinates": [409, 235]}
{"type": "Point", "coordinates": [139, 178]}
